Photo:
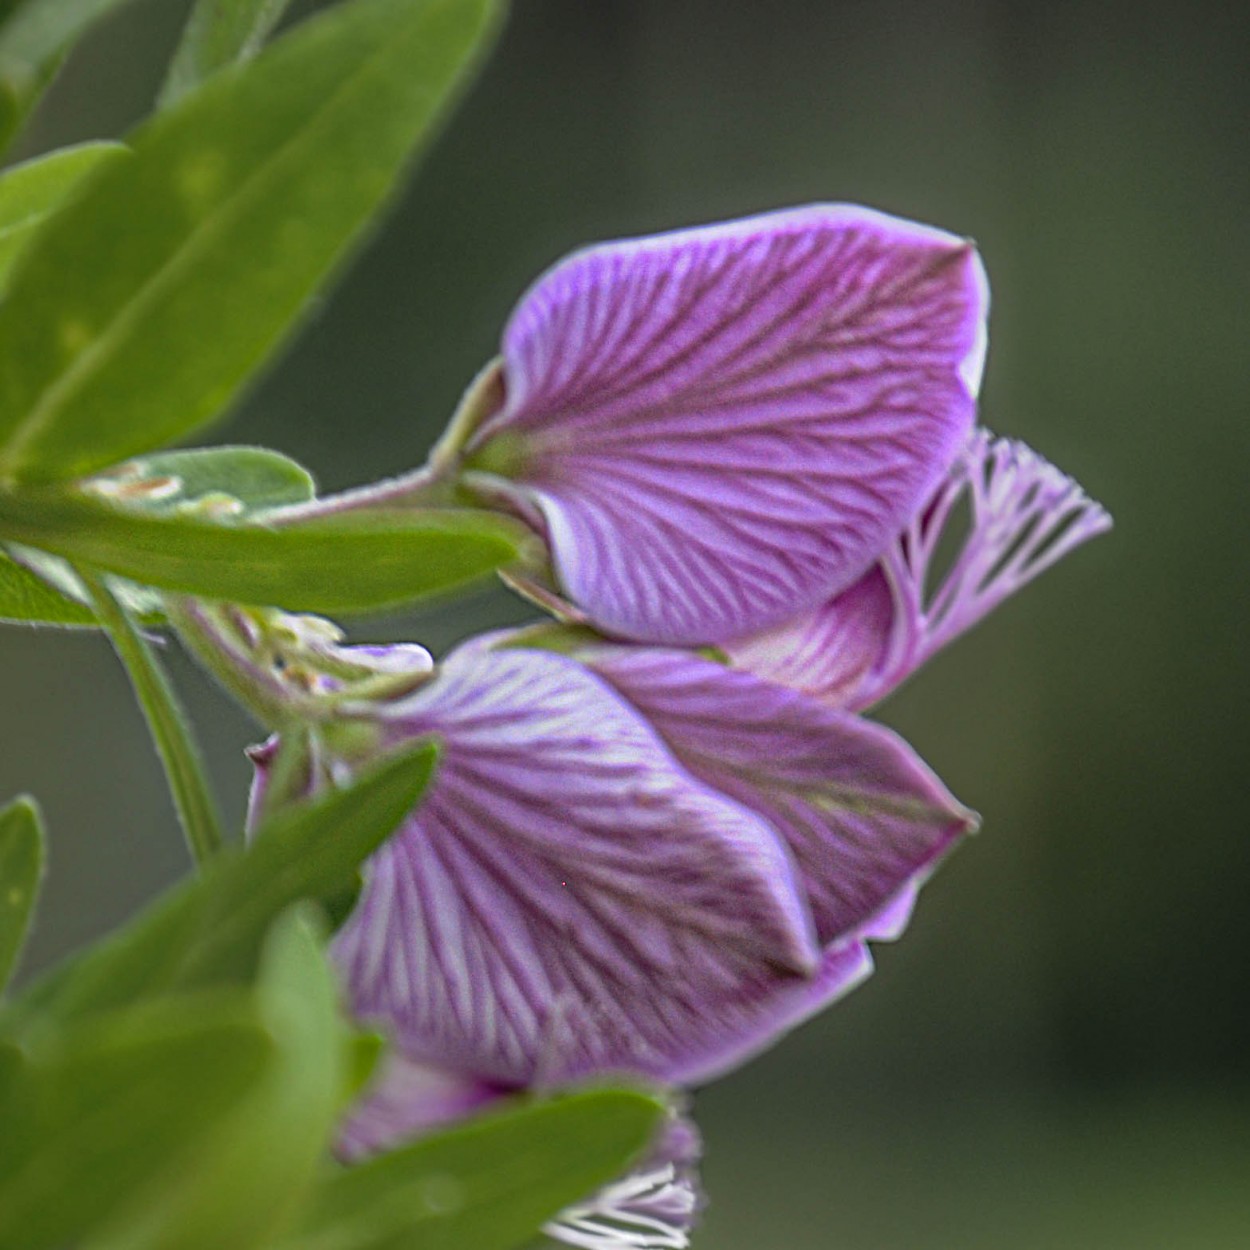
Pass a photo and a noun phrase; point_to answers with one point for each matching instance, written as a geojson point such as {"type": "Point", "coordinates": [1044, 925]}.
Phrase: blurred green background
{"type": "Point", "coordinates": [1055, 1056]}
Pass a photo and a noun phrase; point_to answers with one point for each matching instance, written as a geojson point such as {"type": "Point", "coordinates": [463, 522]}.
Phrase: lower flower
{"type": "Point", "coordinates": [652, 866]}
{"type": "Point", "coordinates": [633, 863]}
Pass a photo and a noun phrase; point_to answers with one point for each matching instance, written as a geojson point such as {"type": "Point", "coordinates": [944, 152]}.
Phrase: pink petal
{"type": "Point", "coordinates": [724, 426]}
{"type": "Point", "coordinates": [568, 900]}
{"type": "Point", "coordinates": [834, 652]}
{"type": "Point", "coordinates": [863, 816]}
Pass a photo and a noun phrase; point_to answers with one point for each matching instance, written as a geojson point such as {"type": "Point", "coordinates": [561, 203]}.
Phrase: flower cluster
{"type": "Point", "coordinates": [661, 835]}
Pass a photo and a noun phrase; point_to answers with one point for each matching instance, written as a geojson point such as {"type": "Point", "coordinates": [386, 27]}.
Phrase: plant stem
{"type": "Point", "coordinates": [170, 729]}
{"type": "Point", "coordinates": [418, 488]}
{"type": "Point", "coordinates": [433, 485]}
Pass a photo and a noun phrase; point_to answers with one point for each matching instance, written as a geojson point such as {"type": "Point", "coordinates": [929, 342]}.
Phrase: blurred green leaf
{"type": "Point", "coordinates": [367, 1050]}
{"type": "Point", "coordinates": [177, 480]}
{"type": "Point", "coordinates": [29, 599]}
{"type": "Point", "coordinates": [102, 1109]}
{"type": "Point", "coordinates": [244, 1161]}
{"type": "Point", "coordinates": [211, 929]}
{"type": "Point", "coordinates": [30, 193]}
{"type": "Point", "coordinates": [21, 870]}
{"type": "Point", "coordinates": [12, 1067]}
{"type": "Point", "coordinates": [487, 1185]}
{"type": "Point", "coordinates": [115, 340]}
{"type": "Point", "coordinates": [310, 851]}
{"type": "Point", "coordinates": [354, 562]}
{"type": "Point", "coordinates": [142, 602]}
{"type": "Point", "coordinates": [242, 1182]}
{"type": "Point", "coordinates": [218, 33]}
{"type": "Point", "coordinates": [140, 960]}
{"type": "Point", "coordinates": [34, 37]}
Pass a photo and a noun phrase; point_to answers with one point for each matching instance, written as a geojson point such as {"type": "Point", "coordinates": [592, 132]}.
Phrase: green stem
{"type": "Point", "coordinates": [184, 768]}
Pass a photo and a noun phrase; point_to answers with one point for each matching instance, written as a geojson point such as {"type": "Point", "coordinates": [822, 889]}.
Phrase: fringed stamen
{"type": "Point", "coordinates": [1025, 517]}
{"type": "Point", "coordinates": [651, 1210]}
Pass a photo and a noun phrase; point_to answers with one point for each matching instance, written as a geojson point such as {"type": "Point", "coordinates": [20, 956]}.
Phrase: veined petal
{"type": "Point", "coordinates": [653, 1208]}
{"type": "Point", "coordinates": [568, 899]}
{"type": "Point", "coordinates": [724, 426]}
{"type": "Point", "coordinates": [1025, 516]}
{"type": "Point", "coordinates": [758, 1021]}
{"type": "Point", "coordinates": [865, 819]}
{"type": "Point", "coordinates": [835, 651]}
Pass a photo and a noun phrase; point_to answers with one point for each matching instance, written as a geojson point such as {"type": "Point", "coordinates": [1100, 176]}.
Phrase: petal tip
{"type": "Point", "coordinates": [971, 368]}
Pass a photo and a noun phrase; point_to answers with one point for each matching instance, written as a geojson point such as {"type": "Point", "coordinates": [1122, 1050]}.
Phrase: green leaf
{"type": "Point", "coordinates": [487, 1185]}
{"type": "Point", "coordinates": [101, 1110]}
{"type": "Point", "coordinates": [364, 1057]}
{"type": "Point", "coordinates": [30, 193]}
{"type": "Point", "coordinates": [242, 1182]}
{"type": "Point", "coordinates": [12, 1069]}
{"type": "Point", "coordinates": [353, 562]}
{"type": "Point", "coordinates": [116, 340]}
{"type": "Point", "coordinates": [21, 870]}
{"type": "Point", "coordinates": [28, 599]}
{"type": "Point", "coordinates": [310, 851]}
{"type": "Point", "coordinates": [142, 602]}
{"type": "Point", "coordinates": [210, 930]}
{"type": "Point", "coordinates": [218, 33]}
{"type": "Point", "coordinates": [181, 481]}
{"type": "Point", "coordinates": [34, 36]}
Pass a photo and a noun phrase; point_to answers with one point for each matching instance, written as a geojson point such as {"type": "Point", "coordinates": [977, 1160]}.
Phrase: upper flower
{"type": "Point", "coordinates": [716, 428]}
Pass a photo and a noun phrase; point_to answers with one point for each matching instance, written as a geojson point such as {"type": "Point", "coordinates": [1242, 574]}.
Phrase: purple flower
{"type": "Point", "coordinates": [654, 868]}
{"type": "Point", "coordinates": [718, 428]}
{"type": "Point", "coordinates": [636, 860]}
{"type": "Point", "coordinates": [645, 865]}
{"type": "Point", "coordinates": [636, 863]}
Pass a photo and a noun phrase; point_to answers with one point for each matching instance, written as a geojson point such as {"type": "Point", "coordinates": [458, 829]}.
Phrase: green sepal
{"type": "Point", "coordinates": [555, 636]}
